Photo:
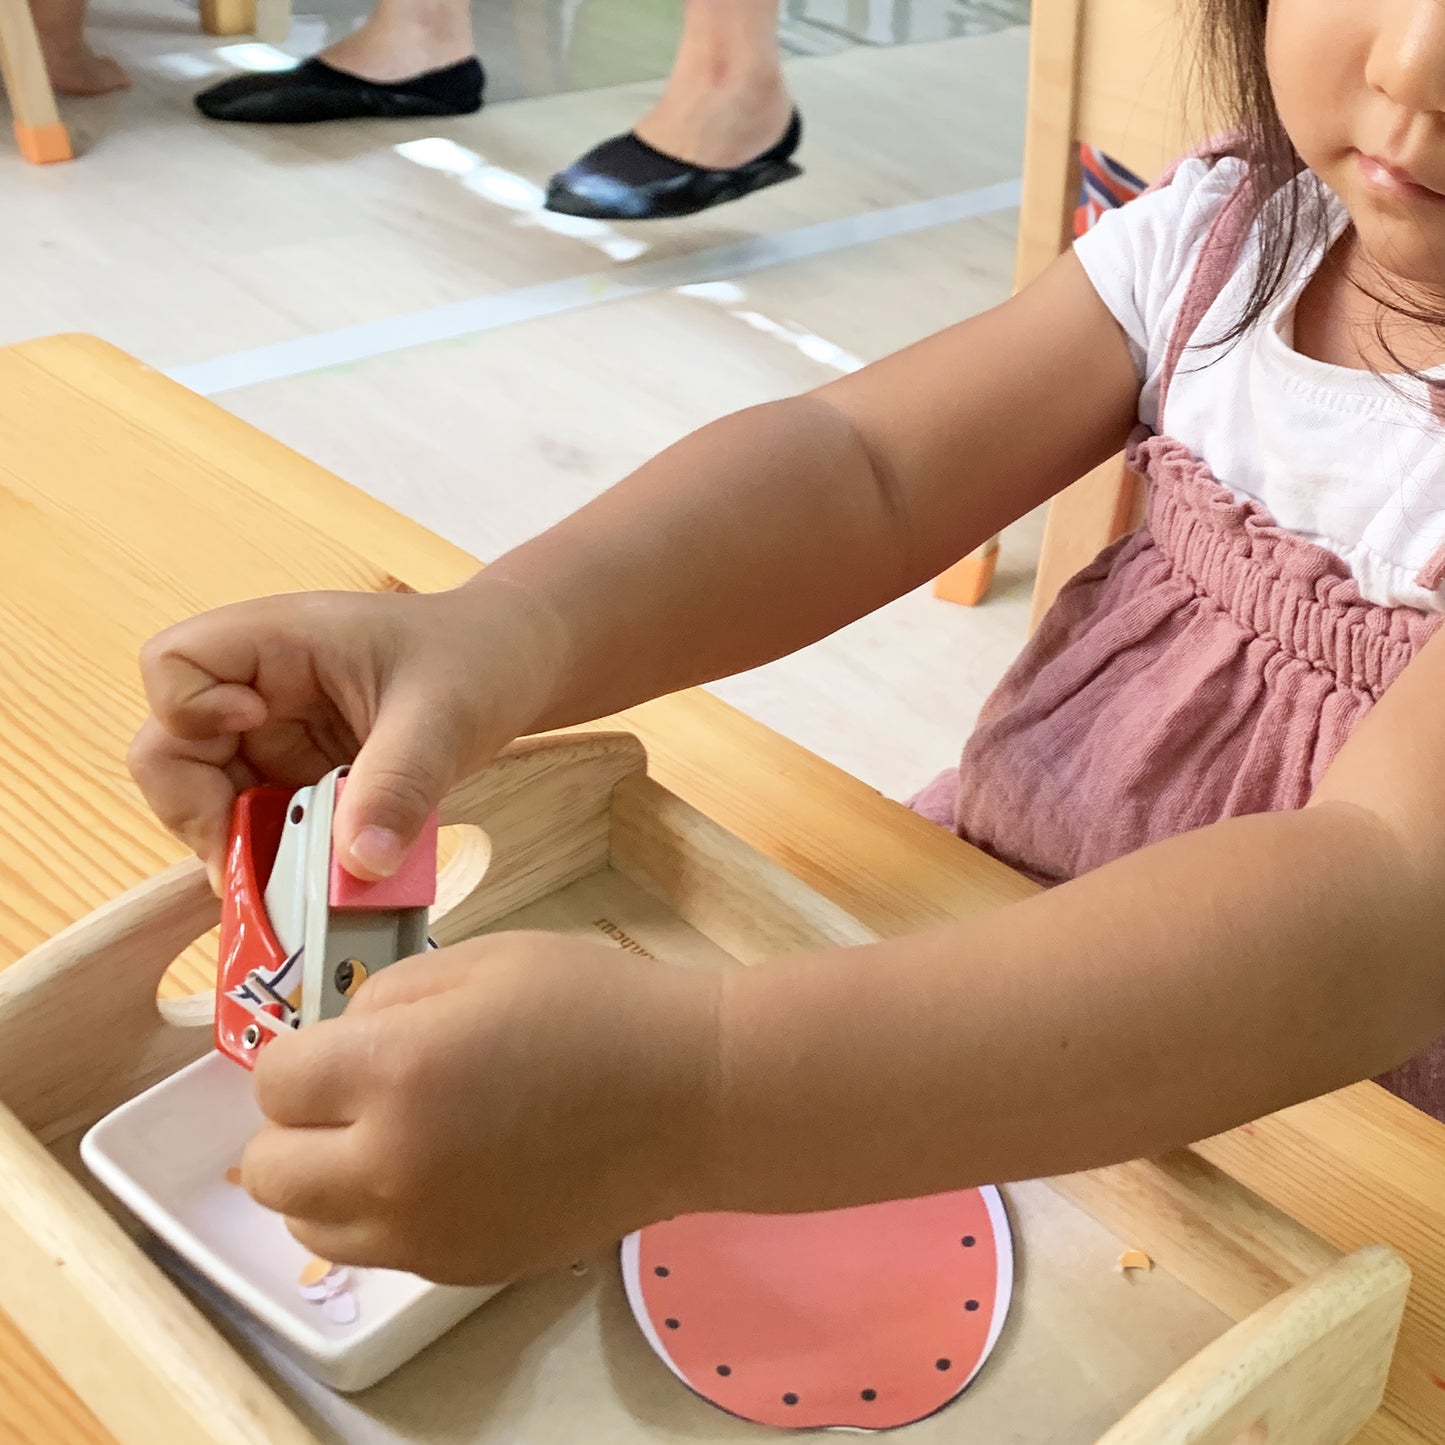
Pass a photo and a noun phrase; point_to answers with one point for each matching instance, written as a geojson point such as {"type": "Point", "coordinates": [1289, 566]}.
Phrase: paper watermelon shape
{"type": "Point", "coordinates": [863, 1319]}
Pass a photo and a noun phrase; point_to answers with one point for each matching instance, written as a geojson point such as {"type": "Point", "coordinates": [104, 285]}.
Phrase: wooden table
{"type": "Point", "coordinates": [127, 503]}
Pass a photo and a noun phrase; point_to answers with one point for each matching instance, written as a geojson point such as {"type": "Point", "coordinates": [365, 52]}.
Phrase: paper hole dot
{"type": "Point", "coordinates": [969, 1241]}
{"type": "Point", "coordinates": [943, 1364]}
{"type": "Point", "coordinates": [724, 1370]}
{"type": "Point", "coordinates": [790, 1398]}
{"type": "Point", "coordinates": [297, 813]}
{"type": "Point", "coordinates": [970, 1305]}
{"type": "Point", "coordinates": [673, 1324]}
{"type": "Point", "coordinates": [662, 1271]}
{"type": "Point", "coordinates": [870, 1394]}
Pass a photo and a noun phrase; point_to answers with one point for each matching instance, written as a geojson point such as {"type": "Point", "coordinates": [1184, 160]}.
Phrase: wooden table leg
{"type": "Point", "coordinates": [39, 132]}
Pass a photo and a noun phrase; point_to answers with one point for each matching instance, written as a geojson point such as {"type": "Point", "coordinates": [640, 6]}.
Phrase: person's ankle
{"type": "Point", "coordinates": [433, 39]}
{"type": "Point", "coordinates": [720, 73]}
{"type": "Point", "coordinates": [716, 129]}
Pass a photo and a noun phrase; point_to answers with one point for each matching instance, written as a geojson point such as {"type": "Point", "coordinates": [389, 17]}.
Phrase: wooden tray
{"type": "Point", "coordinates": [1260, 1332]}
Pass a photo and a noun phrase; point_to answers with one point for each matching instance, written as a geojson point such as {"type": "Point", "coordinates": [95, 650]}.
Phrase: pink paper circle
{"type": "Point", "coordinates": [866, 1318]}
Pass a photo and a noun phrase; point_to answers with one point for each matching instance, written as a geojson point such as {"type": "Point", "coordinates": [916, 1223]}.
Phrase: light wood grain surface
{"type": "Point", "coordinates": [125, 504]}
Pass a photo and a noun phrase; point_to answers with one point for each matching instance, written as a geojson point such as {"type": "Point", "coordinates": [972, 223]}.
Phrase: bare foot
{"type": "Point", "coordinates": [78, 70]}
{"type": "Point", "coordinates": [720, 124]}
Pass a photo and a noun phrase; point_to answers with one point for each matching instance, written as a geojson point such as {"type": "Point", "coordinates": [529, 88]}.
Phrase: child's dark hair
{"type": "Point", "coordinates": [1234, 86]}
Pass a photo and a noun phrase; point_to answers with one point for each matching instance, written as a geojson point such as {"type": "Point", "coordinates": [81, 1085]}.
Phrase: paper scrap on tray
{"type": "Point", "coordinates": [314, 1270]}
{"type": "Point", "coordinates": [332, 1287]}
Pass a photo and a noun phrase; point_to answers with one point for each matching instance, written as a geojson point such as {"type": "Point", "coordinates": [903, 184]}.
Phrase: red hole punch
{"type": "Point", "coordinates": [248, 942]}
{"type": "Point", "coordinates": [299, 934]}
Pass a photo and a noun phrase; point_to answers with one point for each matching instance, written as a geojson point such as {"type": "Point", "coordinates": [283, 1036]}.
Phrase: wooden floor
{"type": "Point", "coordinates": [388, 299]}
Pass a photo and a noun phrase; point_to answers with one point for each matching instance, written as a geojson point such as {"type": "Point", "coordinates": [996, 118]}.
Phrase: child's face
{"type": "Point", "coordinates": [1360, 86]}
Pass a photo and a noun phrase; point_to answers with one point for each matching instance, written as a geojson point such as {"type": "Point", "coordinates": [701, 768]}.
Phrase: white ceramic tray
{"type": "Point", "coordinates": [165, 1155]}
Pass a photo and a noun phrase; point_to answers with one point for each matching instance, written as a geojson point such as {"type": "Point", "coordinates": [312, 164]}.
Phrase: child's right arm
{"type": "Point", "coordinates": [774, 527]}
{"type": "Point", "coordinates": [747, 540]}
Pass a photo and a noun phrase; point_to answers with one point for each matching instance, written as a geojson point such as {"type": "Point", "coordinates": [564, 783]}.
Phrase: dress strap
{"type": "Point", "coordinates": [1432, 574]}
{"type": "Point", "coordinates": [1213, 266]}
{"type": "Point", "coordinates": [1231, 144]}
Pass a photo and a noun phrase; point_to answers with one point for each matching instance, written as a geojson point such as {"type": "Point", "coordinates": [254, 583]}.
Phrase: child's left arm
{"type": "Point", "coordinates": [512, 1102]}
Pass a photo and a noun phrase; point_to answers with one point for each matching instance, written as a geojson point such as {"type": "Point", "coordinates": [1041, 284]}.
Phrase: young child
{"type": "Point", "coordinates": [1225, 746]}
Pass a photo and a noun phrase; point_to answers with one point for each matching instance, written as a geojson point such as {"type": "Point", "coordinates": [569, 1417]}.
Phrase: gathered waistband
{"type": "Point", "coordinates": [1273, 584]}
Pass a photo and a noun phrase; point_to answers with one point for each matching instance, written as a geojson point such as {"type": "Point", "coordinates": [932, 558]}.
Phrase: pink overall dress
{"type": "Point", "coordinates": [1208, 665]}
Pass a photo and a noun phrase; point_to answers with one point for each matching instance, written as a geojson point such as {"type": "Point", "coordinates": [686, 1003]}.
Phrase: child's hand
{"type": "Point", "coordinates": [492, 1110]}
{"type": "Point", "coordinates": [419, 690]}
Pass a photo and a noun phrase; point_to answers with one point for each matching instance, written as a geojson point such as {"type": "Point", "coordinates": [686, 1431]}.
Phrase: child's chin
{"type": "Point", "coordinates": [1406, 241]}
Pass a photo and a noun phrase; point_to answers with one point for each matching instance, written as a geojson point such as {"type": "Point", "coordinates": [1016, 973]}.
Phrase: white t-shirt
{"type": "Point", "coordinates": [1348, 459]}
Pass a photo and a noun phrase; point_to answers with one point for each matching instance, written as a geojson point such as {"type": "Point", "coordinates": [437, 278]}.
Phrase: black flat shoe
{"type": "Point", "coordinates": [318, 91]}
{"type": "Point", "coordinates": [625, 179]}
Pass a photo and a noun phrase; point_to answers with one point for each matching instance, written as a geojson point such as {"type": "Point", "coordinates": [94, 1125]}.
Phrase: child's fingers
{"type": "Point", "coordinates": [405, 766]}
{"type": "Point", "coordinates": [197, 678]}
{"type": "Point", "coordinates": [360, 1243]}
{"type": "Point", "coordinates": [187, 787]}
{"type": "Point", "coordinates": [414, 979]}
{"type": "Point", "coordinates": [319, 1175]}
{"type": "Point", "coordinates": [220, 710]}
{"type": "Point", "coordinates": [317, 1077]}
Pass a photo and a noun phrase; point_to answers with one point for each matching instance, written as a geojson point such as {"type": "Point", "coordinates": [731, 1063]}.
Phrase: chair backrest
{"type": "Point", "coordinates": [1112, 74]}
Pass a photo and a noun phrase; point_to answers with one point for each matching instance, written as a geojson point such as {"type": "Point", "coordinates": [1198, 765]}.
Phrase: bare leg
{"type": "Point", "coordinates": [726, 101]}
{"type": "Point", "coordinates": [75, 69]}
{"type": "Point", "coordinates": [403, 38]}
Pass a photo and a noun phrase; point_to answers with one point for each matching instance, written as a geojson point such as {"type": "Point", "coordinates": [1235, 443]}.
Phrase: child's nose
{"type": "Point", "coordinates": [1407, 57]}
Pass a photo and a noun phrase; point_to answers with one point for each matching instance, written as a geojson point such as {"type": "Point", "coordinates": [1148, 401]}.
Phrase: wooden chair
{"type": "Point", "coordinates": [1107, 73]}
{"type": "Point", "coordinates": [267, 20]}
{"type": "Point", "coordinates": [39, 132]}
